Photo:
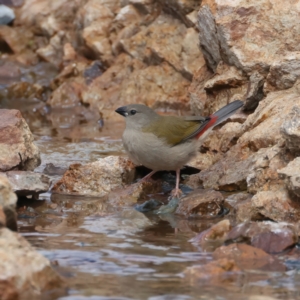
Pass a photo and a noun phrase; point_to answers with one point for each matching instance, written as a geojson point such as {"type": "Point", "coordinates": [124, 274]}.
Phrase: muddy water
{"type": "Point", "coordinates": [108, 253]}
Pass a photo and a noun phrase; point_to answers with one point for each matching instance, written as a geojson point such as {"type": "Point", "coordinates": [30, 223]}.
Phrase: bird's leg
{"type": "Point", "coordinates": [177, 192]}
{"type": "Point", "coordinates": [148, 176]}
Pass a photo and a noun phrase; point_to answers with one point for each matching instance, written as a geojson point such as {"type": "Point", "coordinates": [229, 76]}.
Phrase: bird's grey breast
{"type": "Point", "coordinates": [154, 153]}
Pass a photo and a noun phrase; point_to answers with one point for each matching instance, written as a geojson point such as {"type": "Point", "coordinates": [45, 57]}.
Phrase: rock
{"type": "Point", "coordinates": [213, 237]}
{"type": "Point", "coordinates": [96, 178]}
{"type": "Point", "coordinates": [245, 256]}
{"type": "Point", "coordinates": [290, 130]}
{"type": "Point", "coordinates": [275, 205]}
{"type": "Point", "coordinates": [262, 128]}
{"type": "Point", "coordinates": [291, 176]}
{"type": "Point", "coordinates": [53, 52]}
{"type": "Point", "coordinates": [233, 201]}
{"type": "Point", "coordinates": [8, 200]}
{"type": "Point", "coordinates": [167, 39]}
{"type": "Point", "coordinates": [26, 273]}
{"type": "Point", "coordinates": [104, 91]}
{"type": "Point", "coordinates": [201, 204]}
{"type": "Point", "coordinates": [283, 73]}
{"type": "Point", "coordinates": [28, 183]}
{"type": "Point", "coordinates": [229, 32]}
{"type": "Point", "coordinates": [68, 94]}
{"type": "Point", "coordinates": [229, 173]}
{"type": "Point", "coordinates": [213, 272]}
{"type": "Point", "coordinates": [255, 91]}
{"type": "Point", "coordinates": [133, 193]}
{"type": "Point", "coordinates": [165, 88]}
{"type": "Point", "coordinates": [17, 38]}
{"type": "Point", "coordinates": [246, 212]}
{"type": "Point", "coordinates": [268, 236]}
{"type": "Point", "coordinates": [16, 142]}
{"type": "Point", "coordinates": [7, 15]}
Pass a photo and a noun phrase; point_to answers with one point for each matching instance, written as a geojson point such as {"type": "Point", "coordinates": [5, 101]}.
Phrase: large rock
{"type": "Point", "coordinates": [270, 236]}
{"type": "Point", "coordinates": [8, 200]}
{"type": "Point", "coordinates": [96, 178]}
{"type": "Point", "coordinates": [16, 143]}
{"type": "Point", "coordinates": [25, 273]}
{"type": "Point", "coordinates": [229, 31]}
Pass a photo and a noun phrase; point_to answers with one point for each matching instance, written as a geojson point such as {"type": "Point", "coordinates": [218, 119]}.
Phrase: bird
{"type": "Point", "coordinates": [167, 143]}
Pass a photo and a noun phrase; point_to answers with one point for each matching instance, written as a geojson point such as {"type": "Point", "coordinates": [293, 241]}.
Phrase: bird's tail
{"type": "Point", "coordinates": [220, 116]}
{"type": "Point", "coordinates": [226, 111]}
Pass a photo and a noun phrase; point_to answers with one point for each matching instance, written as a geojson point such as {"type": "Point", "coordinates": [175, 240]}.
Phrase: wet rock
{"type": "Point", "coordinates": [36, 275]}
{"type": "Point", "coordinates": [147, 206]}
{"type": "Point", "coordinates": [7, 15]}
{"type": "Point", "coordinates": [16, 142]}
{"type": "Point", "coordinates": [290, 130]}
{"type": "Point", "coordinates": [201, 204]}
{"type": "Point", "coordinates": [269, 236]}
{"type": "Point", "coordinates": [291, 176]}
{"type": "Point", "coordinates": [96, 178]}
{"type": "Point", "coordinates": [213, 237]}
{"type": "Point", "coordinates": [169, 208]}
{"type": "Point", "coordinates": [28, 183]}
{"type": "Point", "coordinates": [213, 271]}
{"type": "Point", "coordinates": [8, 200]}
{"type": "Point", "coordinates": [245, 256]}
{"type": "Point", "coordinates": [133, 193]}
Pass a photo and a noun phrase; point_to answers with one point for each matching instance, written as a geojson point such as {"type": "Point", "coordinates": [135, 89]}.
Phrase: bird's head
{"type": "Point", "coordinates": [137, 115]}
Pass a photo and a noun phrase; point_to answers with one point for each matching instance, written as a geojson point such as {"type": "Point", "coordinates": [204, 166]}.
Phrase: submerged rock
{"type": "Point", "coordinates": [96, 178]}
{"type": "Point", "coordinates": [25, 272]}
{"type": "Point", "coordinates": [8, 200]}
{"type": "Point", "coordinates": [245, 256]}
{"type": "Point", "coordinates": [16, 143]}
{"type": "Point", "coordinates": [213, 237]}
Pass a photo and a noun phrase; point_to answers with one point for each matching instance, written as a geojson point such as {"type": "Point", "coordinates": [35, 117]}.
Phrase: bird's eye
{"type": "Point", "coordinates": [133, 112]}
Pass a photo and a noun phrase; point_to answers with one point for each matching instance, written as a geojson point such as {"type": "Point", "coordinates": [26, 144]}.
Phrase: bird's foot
{"type": "Point", "coordinates": [176, 193]}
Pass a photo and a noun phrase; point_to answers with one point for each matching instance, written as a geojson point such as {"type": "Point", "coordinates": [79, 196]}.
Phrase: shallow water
{"type": "Point", "coordinates": [111, 253]}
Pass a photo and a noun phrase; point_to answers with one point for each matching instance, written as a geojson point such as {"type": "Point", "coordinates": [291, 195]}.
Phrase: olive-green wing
{"type": "Point", "coordinates": [175, 130]}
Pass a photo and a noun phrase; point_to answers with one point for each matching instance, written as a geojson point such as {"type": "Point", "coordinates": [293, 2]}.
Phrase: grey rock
{"type": "Point", "coordinates": [28, 183]}
{"type": "Point", "coordinates": [291, 175]}
{"type": "Point", "coordinates": [290, 130]}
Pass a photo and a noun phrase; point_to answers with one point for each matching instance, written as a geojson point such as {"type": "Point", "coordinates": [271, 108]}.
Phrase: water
{"type": "Point", "coordinates": [105, 252]}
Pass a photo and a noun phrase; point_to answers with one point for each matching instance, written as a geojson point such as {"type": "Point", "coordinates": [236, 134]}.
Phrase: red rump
{"type": "Point", "coordinates": [212, 121]}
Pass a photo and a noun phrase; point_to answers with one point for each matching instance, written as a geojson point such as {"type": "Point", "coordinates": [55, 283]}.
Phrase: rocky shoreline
{"type": "Point", "coordinates": [179, 57]}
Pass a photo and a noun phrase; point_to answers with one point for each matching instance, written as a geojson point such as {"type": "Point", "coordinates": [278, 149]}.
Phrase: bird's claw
{"type": "Point", "coordinates": [176, 193]}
